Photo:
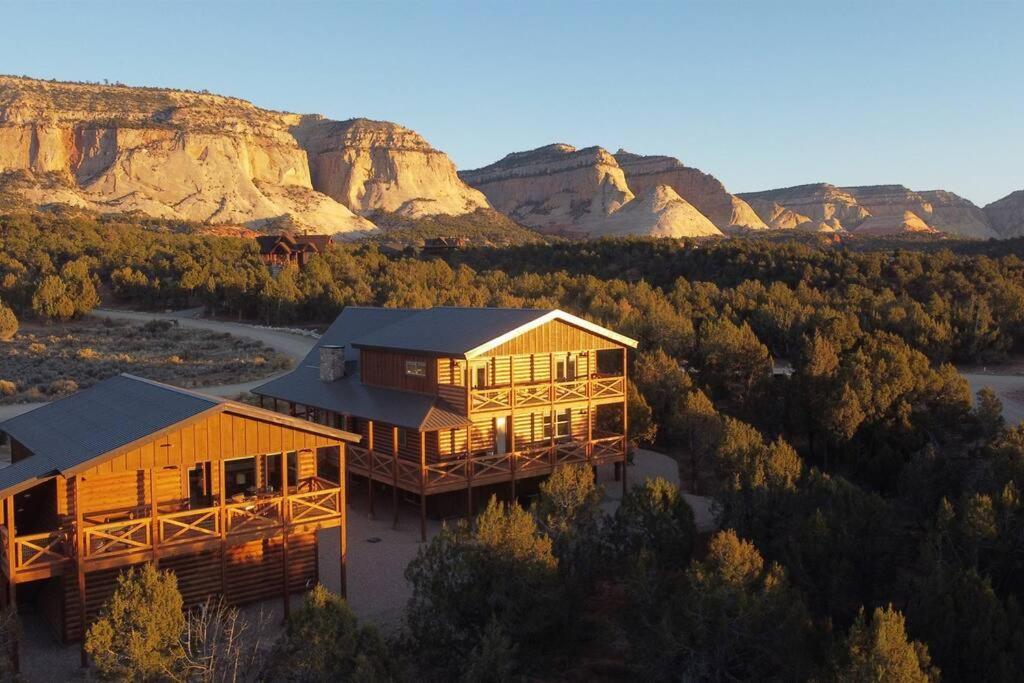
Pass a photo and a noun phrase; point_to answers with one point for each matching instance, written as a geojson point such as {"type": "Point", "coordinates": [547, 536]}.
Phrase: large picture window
{"type": "Point", "coordinates": [562, 421]}
{"type": "Point", "coordinates": [416, 368]}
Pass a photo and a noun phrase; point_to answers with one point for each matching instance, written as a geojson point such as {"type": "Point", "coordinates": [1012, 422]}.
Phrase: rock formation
{"type": "Point", "coordinates": [377, 166]}
{"type": "Point", "coordinates": [891, 223]}
{"type": "Point", "coordinates": [563, 190]}
{"type": "Point", "coordinates": [700, 189]}
{"type": "Point", "coordinates": [556, 188]}
{"type": "Point", "coordinates": [215, 159]}
{"type": "Point", "coordinates": [657, 211]}
{"type": "Point", "coordinates": [820, 202]}
{"type": "Point", "coordinates": [1006, 215]}
{"type": "Point", "coordinates": [828, 207]}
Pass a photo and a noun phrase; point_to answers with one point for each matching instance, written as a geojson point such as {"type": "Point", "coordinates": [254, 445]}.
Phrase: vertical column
{"type": "Point", "coordinates": [342, 532]}
{"type": "Point", "coordinates": [369, 464]}
{"type": "Point", "coordinates": [154, 518]}
{"type": "Point", "coordinates": [394, 476]}
{"type": "Point", "coordinates": [423, 485]}
{"type": "Point", "coordinates": [625, 416]}
{"type": "Point", "coordinates": [469, 472]}
{"type": "Point", "coordinates": [286, 524]}
{"type": "Point", "coordinates": [512, 426]}
{"type": "Point", "coordinates": [223, 512]}
{"type": "Point", "coordinates": [80, 554]}
{"type": "Point", "coordinates": [12, 602]}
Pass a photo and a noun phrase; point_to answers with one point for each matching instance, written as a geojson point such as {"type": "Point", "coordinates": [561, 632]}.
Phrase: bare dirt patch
{"type": "Point", "coordinates": [43, 363]}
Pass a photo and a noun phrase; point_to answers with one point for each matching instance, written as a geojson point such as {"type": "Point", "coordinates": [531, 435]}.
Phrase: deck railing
{"type": "Point", "coordinates": [480, 468]}
{"type": "Point", "coordinates": [543, 393]}
{"type": "Point", "coordinates": [313, 502]}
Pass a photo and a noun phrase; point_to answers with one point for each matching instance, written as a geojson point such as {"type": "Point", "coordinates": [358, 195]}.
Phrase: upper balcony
{"type": "Point", "coordinates": [596, 388]}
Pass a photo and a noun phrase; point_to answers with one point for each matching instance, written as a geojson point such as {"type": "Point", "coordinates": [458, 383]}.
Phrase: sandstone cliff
{"type": "Point", "coordinates": [556, 188]}
{"type": "Point", "coordinates": [657, 212]}
{"type": "Point", "coordinates": [705, 192]}
{"type": "Point", "coordinates": [377, 166]}
{"type": "Point", "coordinates": [584, 192]}
{"type": "Point", "coordinates": [1006, 215]}
{"type": "Point", "coordinates": [216, 159]}
{"type": "Point", "coordinates": [885, 206]}
{"type": "Point", "coordinates": [820, 202]}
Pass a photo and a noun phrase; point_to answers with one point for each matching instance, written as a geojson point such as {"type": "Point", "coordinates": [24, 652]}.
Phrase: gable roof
{"type": "Point", "coordinates": [469, 332]}
{"type": "Point", "coordinates": [70, 434]}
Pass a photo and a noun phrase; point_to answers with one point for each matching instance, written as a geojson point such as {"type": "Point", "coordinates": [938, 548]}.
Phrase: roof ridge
{"type": "Point", "coordinates": [163, 385]}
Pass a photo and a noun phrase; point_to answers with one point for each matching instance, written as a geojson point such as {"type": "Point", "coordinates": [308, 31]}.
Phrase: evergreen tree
{"type": "Point", "coordinates": [878, 651]}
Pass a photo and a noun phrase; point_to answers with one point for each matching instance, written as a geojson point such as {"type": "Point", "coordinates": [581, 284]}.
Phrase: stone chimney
{"type": "Point", "coordinates": [332, 362]}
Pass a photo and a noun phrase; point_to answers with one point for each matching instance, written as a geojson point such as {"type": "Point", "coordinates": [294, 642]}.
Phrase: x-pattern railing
{"type": "Point", "coordinates": [37, 549]}
{"type": "Point", "coordinates": [313, 506]}
{"type": "Point", "coordinates": [117, 537]}
{"type": "Point", "coordinates": [253, 515]}
{"type": "Point", "coordinates": [605, 387]}
{"type": "Point", "coordinates": [190, 525]}
{"type": "Point", "coordinates": [491, 399]}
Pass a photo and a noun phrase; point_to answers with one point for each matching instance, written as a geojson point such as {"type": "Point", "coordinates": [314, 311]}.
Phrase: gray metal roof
{"type": "Point", "coordinates": [448, 331]}
{"type": "Point", "coordinates": [354, 322]}
{"type": "Point", "coordinates": [67, 434]}
{"type": "Point", "coordinates": [349, 396]}
{"type": "Point", "coordinates": [103, 417]}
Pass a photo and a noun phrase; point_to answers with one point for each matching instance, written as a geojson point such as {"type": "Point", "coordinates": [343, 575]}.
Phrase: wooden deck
{"type": "Point", "coordinates": [122, 537]}
{"type": "Point", "coordinates": [481, 469]}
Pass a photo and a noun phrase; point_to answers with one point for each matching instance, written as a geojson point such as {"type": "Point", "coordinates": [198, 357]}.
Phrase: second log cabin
{"type": "Point", "coordinates": [449, 400]}
{"type": "Point", "coordinates": [233, 498]}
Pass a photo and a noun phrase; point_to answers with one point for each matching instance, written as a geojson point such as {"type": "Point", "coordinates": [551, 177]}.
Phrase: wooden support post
{"type": "Point", "coordinates": [394, 476]}
{"type": "Point", "coordinates": [80, 554]}
{"type": "Point", "coordinates": [154, 517]}
{"type": "Point", "coordinates": [291, 408]}
{"type": "Point", "coordinates": [275, 405]}
{"type": "Point", "coordinates": [625, 417]}
{"type": "Point", "coordinates": [286, 519]}
{"type": "Point", "coordinates": [343, 540]}
{"type": "Point", "coordinates": [12, 601]}
{"type": "Point", "coordinates": [223, 513]}
{"type": "Point", "coordinates": [261, 401]}
{"type": "Point", "coordinates": [469, 472]}
{"type": "Point", "coordinates": [369, 464]}
{"type": "Point", "coordinates": [511, 428]}
{"type": "Point", "coordinates": [423, 485]}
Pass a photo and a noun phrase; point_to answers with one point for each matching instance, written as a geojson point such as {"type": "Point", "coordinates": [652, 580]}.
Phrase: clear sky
{"type": "Point", "coordinates": [761, 94]}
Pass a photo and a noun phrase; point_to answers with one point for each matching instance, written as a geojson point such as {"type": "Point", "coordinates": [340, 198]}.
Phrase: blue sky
{"type": "Point", "coordinates": [761, 94]}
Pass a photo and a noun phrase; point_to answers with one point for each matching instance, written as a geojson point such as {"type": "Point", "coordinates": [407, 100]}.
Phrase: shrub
{"type": "Point", "coordinates": [51, 301]}
{"type": "Point", "coordinates": [7, 387]}
{"type": "Point", "coordinates": [138, 635]}
{"type": "Point", "coordinates": [8, 323]}
{"type": "Point", "coordinates": [324, 642]}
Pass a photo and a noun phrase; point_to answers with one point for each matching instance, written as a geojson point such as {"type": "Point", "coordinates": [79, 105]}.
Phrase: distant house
{"type": "Point", "coordinates": [228, 496]}
{"type": "Point", "coordinates": [441, 246]}
{"type": "Point", "coordinates": [288, 249]}
{"type": "Point", "coordinates": [452, 400]}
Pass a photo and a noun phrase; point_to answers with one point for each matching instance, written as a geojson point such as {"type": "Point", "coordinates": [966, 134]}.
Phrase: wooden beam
{"type": "Point", "coordinates": [343, 483]}
{"type": "Point", "coordinates": [369, 457]}
{"type": "Point", "coordinates": [285, 594]}
{"type": "Point", "coordinates": [469, 472]}
{"type": "Point", "coordinates": [154, 517]}
{"type": "Point", "coordinates": [223, 514]}
{"type": "Point", "coordinates": [12, 602]}
{"type": "Point", "coordinates": [80, 554]}
{"type": "Point", "coordinates": [423, 485]}
{"type": "Point", "coordinates": [394, 476]}
{"type": "Point", "coordinates": [625, 416]}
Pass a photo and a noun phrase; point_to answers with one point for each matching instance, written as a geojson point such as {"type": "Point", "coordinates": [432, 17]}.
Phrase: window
{"type": "Point", "coordinates": [416, 368]}
{"type": "Point", "coordinates": [480, 376]}
{"type": "Point", "coordinates": [403, 437]}
{"type": "Point", "coordinates": [565, 368]}
{"type": "Point", "coordinates": [562, 420]}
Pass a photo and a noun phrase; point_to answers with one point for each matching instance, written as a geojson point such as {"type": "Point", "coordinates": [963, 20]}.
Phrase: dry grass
{"type": "Point", "coordinates": [45, 363]}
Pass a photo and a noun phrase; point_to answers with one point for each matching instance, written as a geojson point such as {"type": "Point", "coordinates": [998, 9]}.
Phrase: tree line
{"type": "Point", "coordinates": [866, 498]}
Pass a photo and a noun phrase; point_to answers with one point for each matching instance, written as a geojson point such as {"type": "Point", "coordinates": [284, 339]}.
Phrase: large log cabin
{"type": "Point", "coordinates": [448, 400]}
{"type": "Point", "coordinates": [229, 496]}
